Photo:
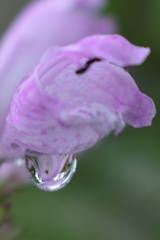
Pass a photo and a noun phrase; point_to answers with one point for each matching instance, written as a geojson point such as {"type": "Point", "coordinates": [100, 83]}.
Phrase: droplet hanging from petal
{"type": "Point", "coordinates": [51, 172]}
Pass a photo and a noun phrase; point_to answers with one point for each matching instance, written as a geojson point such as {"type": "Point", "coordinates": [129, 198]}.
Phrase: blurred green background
{"type": "Point", "coordinates": [115, 193]}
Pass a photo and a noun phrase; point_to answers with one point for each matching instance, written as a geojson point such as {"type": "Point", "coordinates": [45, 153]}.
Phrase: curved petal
{"type": "Point", "coordinates": [40, 25]}
{"type": "Point", "coordinates": [110, 85]}
{"type": "Point", "coordinates": [57, 111]}
{"type": "Point", "coordinates": [102, 119]}
{"type": "Point", "coordinates": [114, 48]}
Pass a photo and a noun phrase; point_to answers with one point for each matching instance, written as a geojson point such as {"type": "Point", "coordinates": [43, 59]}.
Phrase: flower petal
{"type": "Point", "coordinates": [40, 25]}
{"type": "Point", "coordinates": [114, 48]}
{"type": "Point", "coordinates": [102, 119]}
{"type": "Point", "coordinates": [11, 170]}
{"type": "Point", "coordinates": [57, 111]}
{"type": "Point", "coordinates": [93, 3]}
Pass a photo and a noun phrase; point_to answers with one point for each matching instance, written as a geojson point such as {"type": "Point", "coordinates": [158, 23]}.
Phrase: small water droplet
{"type": "Point", "coordinates": [51, 172]}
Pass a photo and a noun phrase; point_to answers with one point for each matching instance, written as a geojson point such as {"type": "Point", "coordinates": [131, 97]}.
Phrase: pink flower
{"type": "Point", "coordinates": [75, 96]}
{"type": "Point", "coordinates": [40, 25]}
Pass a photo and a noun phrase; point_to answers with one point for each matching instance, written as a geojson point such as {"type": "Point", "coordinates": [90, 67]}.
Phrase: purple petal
{"type": "Point", "coordinates": [114, 48]}
{"type": "Point", "coordinates": [55, 110]}
{"type": "Point", "coordinates": [93, 3]}
{"type": "Point", "coordinates": [102, 119]}
{"type": "Point", "coordinates": [11, 170]}
{"type": "Point", "coordinates": [40, 25]}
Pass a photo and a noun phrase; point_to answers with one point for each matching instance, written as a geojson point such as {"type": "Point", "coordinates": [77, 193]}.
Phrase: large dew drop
{"type": "Point", "coordinates": [51, 172]}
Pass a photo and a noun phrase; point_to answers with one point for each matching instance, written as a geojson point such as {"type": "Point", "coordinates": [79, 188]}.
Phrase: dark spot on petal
{"type": "Point", "coordinates": [15, 146]}
{"type": "Point", "coordinates": [87, 65]}
{"type": "Point", "coordinates": [93, 60]}
{"type": "Point", "coordinates": [81, 70]}
{"type": "Point", "coordinates": [47, 171]}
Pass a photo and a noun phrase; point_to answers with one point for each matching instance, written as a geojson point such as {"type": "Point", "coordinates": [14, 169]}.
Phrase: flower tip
{"type": "Point", "coordinates": [145, 115]}
{"type": "Point", "coordinates": [151, 116]}
{"type": "Point", "coordinates": [144, 53]}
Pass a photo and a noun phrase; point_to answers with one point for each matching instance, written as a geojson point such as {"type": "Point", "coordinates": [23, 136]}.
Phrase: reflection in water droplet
{"type": "Point", "coordinates": [51, 172]}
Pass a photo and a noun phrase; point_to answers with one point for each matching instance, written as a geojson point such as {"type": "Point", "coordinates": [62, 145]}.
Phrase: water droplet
{"type": "Point", "coordinates": [51, 172]}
